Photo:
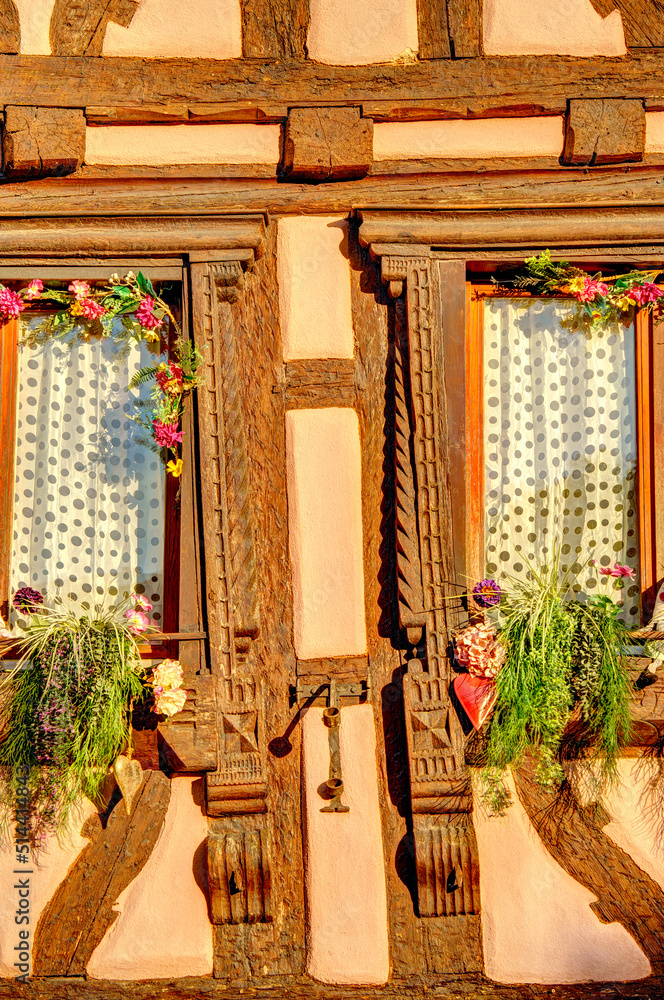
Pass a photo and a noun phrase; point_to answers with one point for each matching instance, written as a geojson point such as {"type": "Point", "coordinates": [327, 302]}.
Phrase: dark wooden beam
{"type": "Point", "coordinates": [643, 20]}
{"type": "Point", "coordinates": [323, 144]}
{"type": "Point", "coordinates": [318, 383]}
{"type": "Point", "coordinates": [43, 142]}
{"type": "Point", "coordinates": [465, 23]}
{"type": "Point", "coordinates": [275, 29]}
{"type": "Point", "coordinates": [516, 81]}
{"type": "Point", "coordinates": [78, 27]}
{"type": "Point", "coordinates": [432, 30]}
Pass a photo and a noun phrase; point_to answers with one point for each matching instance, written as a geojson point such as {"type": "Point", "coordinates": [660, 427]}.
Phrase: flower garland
{"type": "Point", "coordinates": [603, 299]}
{"type": "Point", "coordinates": [133, 303]}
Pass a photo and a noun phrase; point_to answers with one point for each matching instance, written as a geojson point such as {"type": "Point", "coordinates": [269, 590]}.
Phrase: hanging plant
{"type": "Point", "coordinates": [126, 308]}
{"type": "Point", "coordinates": [602, 299]}
{"type": "Point", "coordinates": [66, 712]}
{"type": "Point", "coordinates": [544, 658]}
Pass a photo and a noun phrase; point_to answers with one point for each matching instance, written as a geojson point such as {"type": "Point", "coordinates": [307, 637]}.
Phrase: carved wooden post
{"type": "Point", "coordinates": [445, 844]}
{"type": "Point", "coordinates": [238, 844]}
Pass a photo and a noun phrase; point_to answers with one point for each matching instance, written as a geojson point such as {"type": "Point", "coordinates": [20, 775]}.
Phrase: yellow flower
{"type": "Point", "coordinates": [168, 675]}
{"type": "Point", "coordinates": [576, 285]}
{"type": "Point", "coordinates": [152, 336]}
{"type": "Point", "coordinates": [170, 702]}
{"type": "Point", "coordinates": [175, 467]}
{"type": "Point", "coordinates": [622, 303]}
{"type": "Point", "coordinates": [76, 309]}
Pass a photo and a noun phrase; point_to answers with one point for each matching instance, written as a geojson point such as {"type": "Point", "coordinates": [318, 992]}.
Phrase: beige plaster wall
{"type": "Point", "coordinates": [50, 868]}
{"type": "Point", "coordinates": [655, 132]}
{"type": "Point", "coordinates": [186, 28]}
{"type": "Point", "coordinates": [157, 145]}
{"type": "Point", "coordinates": [565, 27]}
{"type": "Point", "coordinates": [163, 929]}
{"type": "Point", "coordinates": [35, 18]}
{"type": "Point", "coordinates": [325, 532]}
{"type": "Point", "coordinates": [355, 32]}
{"type": "Point", "coordinates": [347, 940]}
{"type": "Point", "coordinates": [314, 288]}
{"type": "Point", "coordinates": [484, 137]}
{"type": "Point", "coordinates": [537, 923]}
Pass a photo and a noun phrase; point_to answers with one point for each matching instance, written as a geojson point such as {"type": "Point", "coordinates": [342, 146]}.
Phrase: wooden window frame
{"type": "Point", "coordinates": [162, 645]}
{"type": "Point", "coordinates": [649, 362]}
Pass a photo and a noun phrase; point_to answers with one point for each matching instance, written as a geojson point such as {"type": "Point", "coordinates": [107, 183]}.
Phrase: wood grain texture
{"type": "Point", "coordinates": [319, 382]}
{"type": "Point", "coordinates": [574, 837]}
{"type": "Point", "coordinates": [432, 29]}
{"type": "Point", "coordinates": [80, 912]}
{"type": "Point", "coordinates": [604, 131]}
{"type": "Point", "coordinates": [10, 28]}
{"type": "Point", "coordinates": [78, 27]}
{"type": "Point", "coordinates": [42, 142]}
{"type": "Point", "coordinates": [642, 20]}
{"type": "Point", "coordinates": [274, 29]}
{"type": "Point", "coordinates": [327, 144]}
{"type": "Point", "coordinates": [422, 987]}
{"type": "Point", "coordinates": [465, 26]}
{"type": "Point", "coordinates": [493, 81]}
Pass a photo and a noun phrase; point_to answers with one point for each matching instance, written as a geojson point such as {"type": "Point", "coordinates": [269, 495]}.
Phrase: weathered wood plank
{"type": "Point", "coordinates": [41, 142]}
{"type": "Point", "coordinates": [517, 81]}
{"type": "Point", "coordinates": [465, 21]}
{"type": "Point", "coordinates": [10, 28]}
{"type": "Point", "coordinates": [78, 27]}
{"type": "Point", "coordinates": [274, 29]}
{"type": "Point", "coordinates": [598, 131]}
{"type": "Point", "coordinates": [324, 144]}
{"type": "Point", "coordinates": [81, 910]}
{"type": "Point", "coordinates": [432, 30]}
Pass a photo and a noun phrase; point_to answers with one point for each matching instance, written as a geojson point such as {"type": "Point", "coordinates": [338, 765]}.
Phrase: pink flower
{"type": "Point", "coordinates": [137, 621]}
{"type": "Point", "coordinates": [34, 289]}
{"type": "Point", "coordinates": [646, 292]}
{"type": "Point", "coordinates": [591, 289]}
{"type": "Point", "coordinates": [91, 309]}
{"type": "Point", "coordinates": [166, 435]}
{"type": "Point", "coordinates": [80, 289]}
{"type": "Point", "coordinates": [479, 650]}
{"type": "Point", "coordinates": [145, 314]}
{"type": "Point", "coordinates": [142, 603]}
{"type": "Point", "coordinates": [11, 303]}
{"type": "Point", "coordinates": [623, 571]}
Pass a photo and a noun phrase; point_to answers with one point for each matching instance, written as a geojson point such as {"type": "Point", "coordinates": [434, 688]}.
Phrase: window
{"type": "Point", "coordinates": [561, 432]}
{"type": "Point", "coordinates": [87, 509]}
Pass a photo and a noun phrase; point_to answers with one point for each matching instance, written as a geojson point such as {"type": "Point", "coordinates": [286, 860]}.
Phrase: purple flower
{"type": "Point", "coordinates": [487, 593]}
{"type": "Point", "coordinates": [26, 598]}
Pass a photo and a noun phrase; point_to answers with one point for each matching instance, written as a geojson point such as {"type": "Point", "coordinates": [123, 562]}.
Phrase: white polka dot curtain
{"type": "Point", "coordinates": [89, 497]}
{"type": "Point", "coordinates": [559, 443]}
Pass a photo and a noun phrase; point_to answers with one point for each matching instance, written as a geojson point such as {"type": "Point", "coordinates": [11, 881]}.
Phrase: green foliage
{"type": "Point", "coordinates": [66, 714]}
{"type": "Point", "coordinates": [561, 654]}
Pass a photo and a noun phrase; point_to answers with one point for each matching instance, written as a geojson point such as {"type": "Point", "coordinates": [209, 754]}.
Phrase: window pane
{"type": "Point", "coordinates": [559, 441]}
{"type": "Point", "coordinates": [89, 497]}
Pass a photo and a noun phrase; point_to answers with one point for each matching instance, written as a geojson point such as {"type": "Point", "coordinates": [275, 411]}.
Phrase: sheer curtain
{"type": "Point", "coordinates": [89, 496]}
{"type": "Point", "coordinates": [559, 442]}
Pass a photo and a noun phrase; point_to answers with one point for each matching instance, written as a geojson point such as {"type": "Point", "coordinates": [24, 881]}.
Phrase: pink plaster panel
{"type": "Point", "coordinates": [537, 923]}
{"type": "Point", "coordinates": [635, 807]}
{"type": "Point", "coordinates": [185, 28]}
{"type": "Point", "coordinates": [356, 32]}
{"type": "Point", "coordinates": [562, 27]}
{"type": "Point", "coordinates": [155, 145]}
{"type": "Point", "coordinates": [50, 868]}
{"type": "Point", "coordinates": [655, 132]}
{"type": "Point", "coordinates": [325, 532]}
{"type": "Point", "coordinates": [35, 19]}
{"type": "Point", "coordinates": [483, 137]}
{"type": "Point", "coordinates": [163, 929]}
{"type": "Point", "coordinates": [347, 939]}
{"type": "Point", "coordinates": [314, 288]}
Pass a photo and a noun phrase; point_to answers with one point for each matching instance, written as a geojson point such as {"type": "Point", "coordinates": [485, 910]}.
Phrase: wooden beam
{"type": "Point", "coordinates": [274, 29]}
{"type": "Point", "coordinates": [465, 21]}
{"type": "Point", "coordinates": [599, 132]}
{"type": "Point", "coordinates": [323, 144]}
{"type": "Point", "coordinates": [80, 912]}
{"type": "Point", "coordinates": [42, 142]}
{"type": "Point", "coordinates": [516, 81]}
{"type": "Point", "coordinates": [642, 20]}
{"type": "Point", "coordinates": [10, 28]}
{"type": "Point", "coordinates": [432, 30]}
{"type": "Point", "coordinates": [78, 27]}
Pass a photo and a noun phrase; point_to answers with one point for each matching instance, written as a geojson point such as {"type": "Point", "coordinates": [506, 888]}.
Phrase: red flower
{"type": "Point", "coordinates": [169, 378]}
{"type": "Point", "coordinates": [145, 314]}
{"type": "Point", "coordinates": [647, 292]}
{"type": "Point", "coordinates": [91, 309]}
{"type": "Point", "coordinates": [166, 435]}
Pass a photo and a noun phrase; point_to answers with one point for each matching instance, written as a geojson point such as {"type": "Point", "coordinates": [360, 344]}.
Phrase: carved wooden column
{"type": "Point", "coordinates": [238, 843]}
{"type": "Point", "coordinates": [445, 844]}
